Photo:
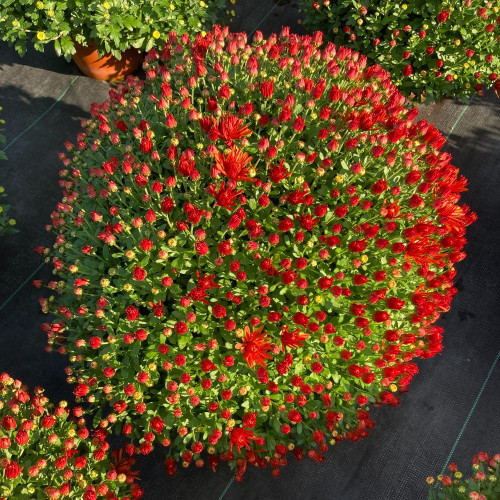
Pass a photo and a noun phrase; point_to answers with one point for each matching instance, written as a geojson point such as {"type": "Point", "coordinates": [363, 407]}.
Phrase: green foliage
{"type": "Point", "coordinates": [432, 49]}
{"type": "Point", "coordinates": [115, 25]}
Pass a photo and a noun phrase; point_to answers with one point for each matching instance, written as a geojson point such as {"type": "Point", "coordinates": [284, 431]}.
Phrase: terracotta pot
{"type": "Point", "coordinates": [107, 67]}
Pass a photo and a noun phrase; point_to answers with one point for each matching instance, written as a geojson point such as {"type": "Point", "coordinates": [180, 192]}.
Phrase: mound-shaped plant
{"type": "Point", "coordinates": [48, 452]}
{"type": "Point", "coordinates": [432, 49]}
{"type": "Point", "coordinates": [484, 484]}
{"type": "Point", "coordinates": [252, 248]}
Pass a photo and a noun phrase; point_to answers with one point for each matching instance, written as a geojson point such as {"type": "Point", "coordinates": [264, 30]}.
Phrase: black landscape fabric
{"type": "Point", "coordinates": [451, 411]}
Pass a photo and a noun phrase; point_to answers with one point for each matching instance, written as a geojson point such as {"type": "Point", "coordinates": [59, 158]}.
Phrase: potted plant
{"type": "Point", "coordinates": [47, 451]}
{"type": "Point", "coordinates": [483, 485]}
{"type": "Point", "coordinates": [432, 49]}
{"type": "Point", "coordinates": [6, 223]}
{"type": "Point", "coordinates": [253, 247]}
{"type": "Point", "coordinates": [105, 38]}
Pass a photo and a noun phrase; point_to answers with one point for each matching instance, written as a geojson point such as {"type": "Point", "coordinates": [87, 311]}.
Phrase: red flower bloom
{"type": "Point", "coordinates": [146, 143]}
{"type": "Point", "coordinates": [201, 247]}
{"type": "Point", "coordinates": [267, 88]}
{"type": "Point", "coordinates": [185, 167]}
{"type": "Point", "coordinates": [443, 16]}
{"type": "Point", "coordinates": [241, 438]}
{"type": "Point", "coordinates": [254, 346]}
{"type": "Point", "coordinates": [407, 70]}
{"type": "Point", "coordinates": [139, 274]}
{"type": "Point", "coordinates": [231, 128]}
{"type": "Point", "coordinates": [132, 313]}
{"type": "Point", "coordinates": [292, 339]}
{"type": "Point", "coordinates": [8, 422]}
{"type": "Point", "coordinates": [235, 165]}
{"type": "Point", "coordinates": [294, 416]}
{"type": "Point", "coordinates": [225, 196]}
{"type": "Point", "coordinates": [13, 470]}
{"type": "Point", "coordinates": [81, 390]}
{"type": "Point", "coordinates": [278, 172]}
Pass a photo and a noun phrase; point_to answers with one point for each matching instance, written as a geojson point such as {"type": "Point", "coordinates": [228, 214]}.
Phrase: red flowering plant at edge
{"type": "Point", "coordinates": [47, 451]}
{"type": "Point", "coordinates": [252, 248]}
{"type": "Point", "coordinates": [483, 485]}
{"type": "Point", "coordinates": [432, 49]}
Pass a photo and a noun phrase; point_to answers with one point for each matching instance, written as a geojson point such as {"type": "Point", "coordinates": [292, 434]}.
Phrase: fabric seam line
{"type": "Point", "coordinates": [42, 115]}
{"type": "Point", "coordinates": [478, 397]}
{"type": "Point", "coordinates": [22, 285]}
{"type": "Point", "coordinates": [459, 118]}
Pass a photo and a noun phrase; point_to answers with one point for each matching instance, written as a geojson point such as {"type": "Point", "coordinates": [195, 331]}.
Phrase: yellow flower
{"type": "Point", "coordinates": [203, 4]}
{"type": "Point", "coordinates": [156, 34]}
{"type": "Point", "coordinates": [404, 6]}
{"type": "Point", "coordinates": [106, 5]}
{"type": "Point", "coordinates": [41, 35]}
{"type": "Point", "coordinates": [181, 21]}
{"type": "Point", "coordinates": [39, 5]}
{"type": "Point", "coordinates": [172, 6]}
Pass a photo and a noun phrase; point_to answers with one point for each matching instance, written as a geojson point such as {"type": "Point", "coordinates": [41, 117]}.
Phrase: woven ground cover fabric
{"type": "Point", "coordinates": [410, 442]}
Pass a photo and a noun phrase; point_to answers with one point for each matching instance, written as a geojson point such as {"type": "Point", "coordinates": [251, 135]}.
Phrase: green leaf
{"type": "Point", "coordinates": [67, 45]}
{"type": "Point", "coordinates": [182, 341]}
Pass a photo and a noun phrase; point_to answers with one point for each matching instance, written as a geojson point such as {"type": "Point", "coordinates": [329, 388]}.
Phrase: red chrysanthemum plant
{"type": "Point", "coordinates": [483, 485]}
{"type": "Point", "coordinates": [253, 247]}
{"type": "Point", "coordinates": [48, 450]}
{"type": "Point", "coordinates": [432, 50]}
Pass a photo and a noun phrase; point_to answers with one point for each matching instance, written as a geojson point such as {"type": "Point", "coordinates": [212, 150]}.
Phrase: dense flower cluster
{"type": "Point", "coordinates": [483, 485]}
{"type": "Point", "coordinates": [252, 247]}
{"type": "Point", "coordinates": [48, 452]}
{"type": "Point", "coordinates": [432, 49]}
{"type": "Point", "coordinates": [5, 222]}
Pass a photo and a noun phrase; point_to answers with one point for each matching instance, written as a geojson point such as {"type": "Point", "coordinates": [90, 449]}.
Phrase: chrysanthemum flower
{"type": "Point", "coordinates": [234, 165]}
{"type": "Point", "coordinates": [255, 346]}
